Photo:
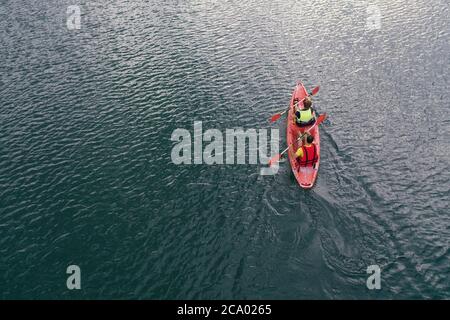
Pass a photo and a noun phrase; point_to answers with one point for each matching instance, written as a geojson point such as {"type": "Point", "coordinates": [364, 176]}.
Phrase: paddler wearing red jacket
{"type": "Point", "coordinates": [307, 153]}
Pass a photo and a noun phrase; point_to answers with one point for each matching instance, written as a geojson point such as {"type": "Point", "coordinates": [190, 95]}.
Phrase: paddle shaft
{"type": "Point", "coordinates": [277, 116]}
{"type": "Point", "coordinates": [296, 104]}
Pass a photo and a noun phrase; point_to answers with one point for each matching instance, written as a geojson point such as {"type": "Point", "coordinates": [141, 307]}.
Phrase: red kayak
{"type": "Point", "coordinates": [304, 174]}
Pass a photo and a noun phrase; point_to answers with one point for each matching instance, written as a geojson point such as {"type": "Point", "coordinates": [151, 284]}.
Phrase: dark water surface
{"type": "Point", "coordinates": [86, 176]}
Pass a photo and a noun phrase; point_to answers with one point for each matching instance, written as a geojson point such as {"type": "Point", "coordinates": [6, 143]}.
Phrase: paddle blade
{"type": "Point", "coordinates": [275, 117]}
{"type": "Point", "coordinates": [274, 159]}
{"type": "Point", "coordinates": [315, 90]}
{"type": "Point", "coordinates": [321, 118]}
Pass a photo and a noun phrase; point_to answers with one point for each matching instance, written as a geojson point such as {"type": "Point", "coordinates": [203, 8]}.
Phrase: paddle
{"type": "Point", "coordinates": [277, 157]}
{"type": "Point", "coordinates": [277, 116]}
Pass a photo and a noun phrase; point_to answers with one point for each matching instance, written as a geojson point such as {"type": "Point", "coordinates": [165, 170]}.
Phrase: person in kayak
{"type": "Point", "coordinates": [305, 117]}
{"type": "Point", "coordinates": [307, 153]}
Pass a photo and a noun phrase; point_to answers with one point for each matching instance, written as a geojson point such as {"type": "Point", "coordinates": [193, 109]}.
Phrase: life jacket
{"type": "Point", "coordinates": [306, 116]}
{"type": "Point", "coordinates": [309, 155]}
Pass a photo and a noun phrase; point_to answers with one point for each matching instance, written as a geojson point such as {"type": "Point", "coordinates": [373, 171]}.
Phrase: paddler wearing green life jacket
{"type": "Point", "coordinates": [305, 117]}
{"type": "Point", "coordinates": [307, 153]}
